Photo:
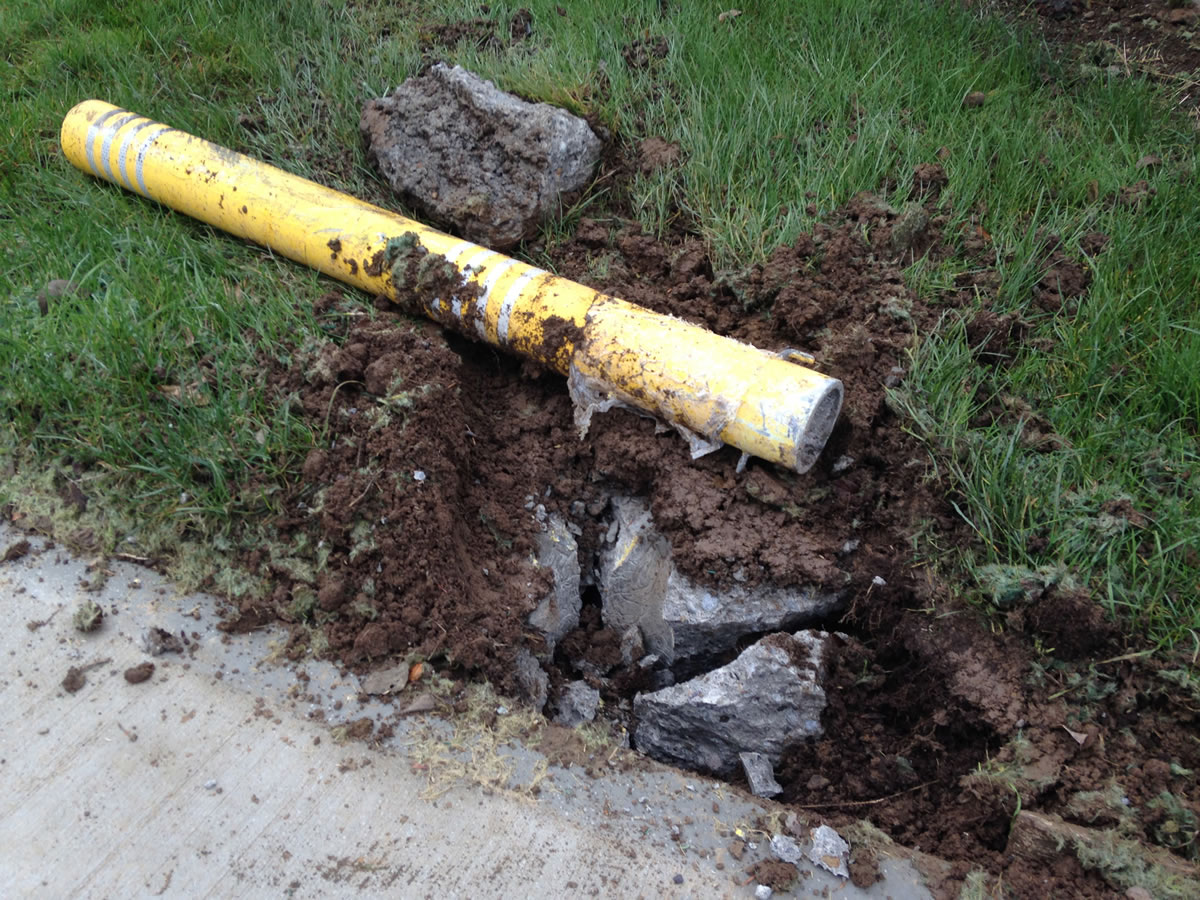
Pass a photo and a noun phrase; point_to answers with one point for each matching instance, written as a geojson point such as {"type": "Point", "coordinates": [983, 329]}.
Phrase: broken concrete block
{"type": "Point", "coordinates": [578, 704]}
{"type": "Point", "coordinates": [558, 613]}
{"type": "Point", "coordinates": [705, 622]}
{"type": "Point", "coordinates": [488, 164]}
{"type": "Point", "coordinates": [634, 570]}
{"type": "Point", "coordinates": [532, 680]}
{"type": "Point", "coordinates": [760, 774]}
{"type": "Point", "coordinates": [639, 585]}
{"type": "Point", "coordinates": [765, 700]}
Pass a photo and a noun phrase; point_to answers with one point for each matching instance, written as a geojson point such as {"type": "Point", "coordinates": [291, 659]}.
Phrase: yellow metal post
{"type": "Point", "coordinates": [712, 388]}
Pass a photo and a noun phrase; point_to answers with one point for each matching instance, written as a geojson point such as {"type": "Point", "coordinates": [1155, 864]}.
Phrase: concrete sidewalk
{"type": "Point", "coordinates": [222, 776]}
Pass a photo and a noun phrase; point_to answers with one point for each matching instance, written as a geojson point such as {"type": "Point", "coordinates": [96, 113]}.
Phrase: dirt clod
{"type": "Point", "coordinates": [139, 673]}
{"type": "Point", "coordinates": [74, 680]}
{"type": "Point", "coordinates": [16, 551]}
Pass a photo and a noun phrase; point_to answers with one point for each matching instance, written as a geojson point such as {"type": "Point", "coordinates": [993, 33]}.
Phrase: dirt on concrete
{"type": "Point", "coordinates": [439, 459]}
{"type": "Point", "coordinates": [439, 456]}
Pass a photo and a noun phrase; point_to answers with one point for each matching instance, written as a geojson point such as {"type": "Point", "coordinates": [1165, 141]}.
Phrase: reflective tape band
{"type": "Point", "coordinates": [510, 299]}
{"type": "Point", "coordinates": [106, 148]}
{"type": "Point", "coordinates": [488, 284]}
{"type": "Point", "coordinates": [93, 133]}
{"type": "Point", "coordinates": [123, 152]}
{"type": "Point", "coordinates": [141, 156]}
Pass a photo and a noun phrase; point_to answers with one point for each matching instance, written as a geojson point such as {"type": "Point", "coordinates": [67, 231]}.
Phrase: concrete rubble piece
{"type": "Point", "coordinates": [830, 851]}
{"type": "Point", "coordinates": [679, 619]}
{"type": "Point", "coordinates": [558, 612]}
{"type": "Point", "coordinates": [485, 163]}
{"type": "Point", "coordinates": [232, 771]}
{"type": "Point", "coordinates": [767, 699]}
{"type": "Point", "coordinates": [760, 775]}
{"type": "Point", "coordinates": [577, 704]}
{"type": "Point", "coordinates": [634, 569]}
{"type": "Point", "coordinates": [532, 680]}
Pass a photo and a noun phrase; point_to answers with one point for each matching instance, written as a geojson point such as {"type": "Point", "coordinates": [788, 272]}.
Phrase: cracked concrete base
{"type": "Point", "coordinates": [221, 776]}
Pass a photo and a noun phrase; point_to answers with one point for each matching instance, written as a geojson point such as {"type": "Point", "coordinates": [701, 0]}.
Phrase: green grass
{"type": "Point", "coordinates": [152, 374]}
{"type": "Point", "coordinates": [782, 113]}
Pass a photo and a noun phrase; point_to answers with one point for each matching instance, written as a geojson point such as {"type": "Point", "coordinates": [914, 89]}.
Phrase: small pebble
{"type": "Point", "coordinates": [211, 784]}
{"type": "Point", "coordinates": [763, 892]}
{"type": "Point", "coordinates": [418, 476]}
{"type": "Point", "coordinates": [678, 879]}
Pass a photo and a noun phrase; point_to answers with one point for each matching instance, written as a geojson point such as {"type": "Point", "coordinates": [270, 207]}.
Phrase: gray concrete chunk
{"type": "Point", "coordinates": [532, 680]}
{"type": "Point", "coordinates": [558, 612]}
{"type": "Point", "coordinates": [483, 162]}
{"type": "Point", "coordinates": [634, 570]}
{"type": "Point", "coordinates": [760, 774]}
{"type": "Point", "coordinates": [765, 700]}
{"type": "Point", "coordinates": [578, 704]}
{"type": "Point", "coordinates": [706, 622]}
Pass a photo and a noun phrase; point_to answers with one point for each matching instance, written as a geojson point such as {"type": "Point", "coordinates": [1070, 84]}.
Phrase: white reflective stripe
{"type": "Point", "coordinates": [482, 305]}
{"type": "Point", "coordinates": [456, 302]}
{"type": "Point", "coordinates": [124, 151]}
{"type": "Point", "coordinates": [141, 156]}
{"type": "Point", "coordinates": [514, 291]}
{"type": "Point", "coordinates": [106, 147]}
{"type": "Point", "coordinates": [93, 133]}
{"type": "Point", "coordinates": [454, 254]}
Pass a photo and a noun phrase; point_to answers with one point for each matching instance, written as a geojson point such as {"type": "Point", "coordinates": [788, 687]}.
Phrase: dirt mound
{"type": "Point", "coordinates": [441, 459]}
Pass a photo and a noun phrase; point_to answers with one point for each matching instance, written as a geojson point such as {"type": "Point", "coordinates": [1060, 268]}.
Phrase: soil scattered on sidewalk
{"type": "Point", "coordinates": [440, 459]}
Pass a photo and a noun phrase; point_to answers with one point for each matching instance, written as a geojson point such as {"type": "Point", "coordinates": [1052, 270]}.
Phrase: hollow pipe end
{"type": "Point", "coordinates": [813, 433]}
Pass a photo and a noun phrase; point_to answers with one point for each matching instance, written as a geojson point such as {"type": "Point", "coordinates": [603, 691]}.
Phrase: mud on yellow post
{"type": "Point", "coordinates": [713, 389]}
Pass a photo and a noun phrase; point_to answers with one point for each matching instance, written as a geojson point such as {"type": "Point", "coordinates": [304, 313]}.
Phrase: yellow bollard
{"type": "Point", "coordinates": [712, 389]}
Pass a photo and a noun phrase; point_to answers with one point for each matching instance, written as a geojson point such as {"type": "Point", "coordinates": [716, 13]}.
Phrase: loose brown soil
{"type": "Point", "coordinates": [1155, 38]}
{"type": "Point", "coordinates": [440, 455]}
{"type": "Point", "coordinates": [439, 458]}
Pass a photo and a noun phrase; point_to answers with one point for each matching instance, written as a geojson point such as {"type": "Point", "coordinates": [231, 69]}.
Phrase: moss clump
{"type": "Point", "coordinates": [88, 616]}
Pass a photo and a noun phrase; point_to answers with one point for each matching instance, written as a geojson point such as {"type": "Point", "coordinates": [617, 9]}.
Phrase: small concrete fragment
{"type": "Point", "coordinates": [578, 704]}
{"type": "Point", "coordinates": [767, 699]}
{"type": "Point", "coordinates": [633, 575]}
{"type": "Point", "coordinates": [391, 680]}
{"type": "Point", "coordinates": [787, 849]}
{"type": "Point", "coordinates": [558, 613]}
{"type": "Point", "coordinates": [760, 774]}
{"type": "Point", "coordinates": [632, 647]}
{"type": "Point", "coordinates": [468, 155]}
{"type": "Point", "coordinates": [532, 680]}
{"type": "Point", "coordinates": [157, 641]}
{"type": "Point", "coordinates": [830, 851]}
